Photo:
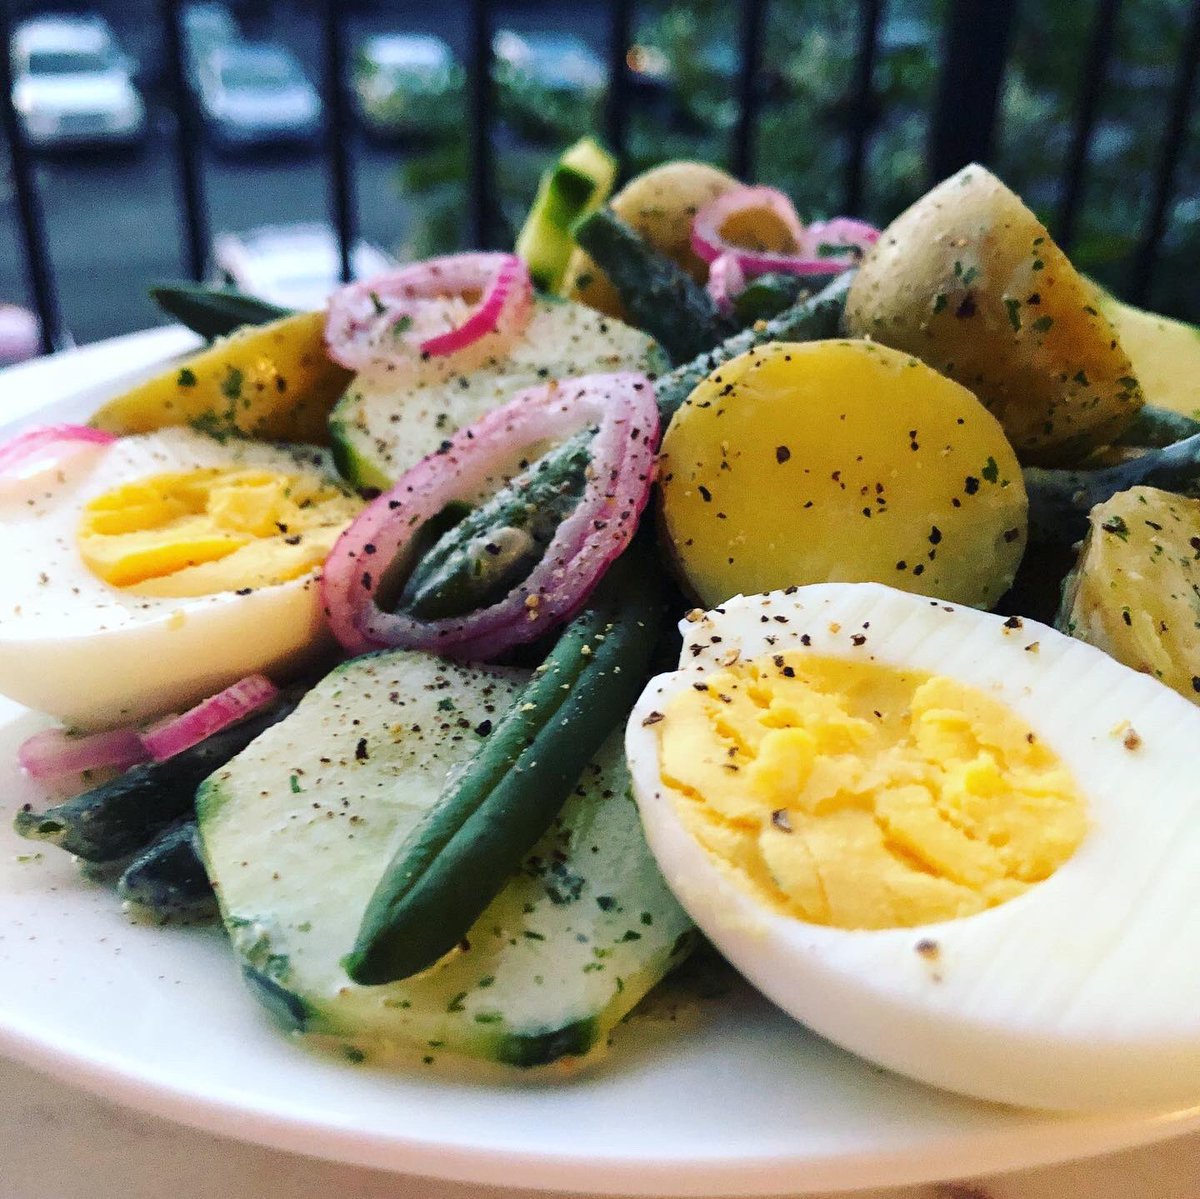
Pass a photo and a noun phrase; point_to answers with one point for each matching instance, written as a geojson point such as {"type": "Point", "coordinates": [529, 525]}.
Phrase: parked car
{"type": "Point", "coordinates": [206, 27]}
{"type": "Point", "coordinates": [256, 94]}
{"type": "Point", "coordinates": [295, 266]}
{"type": "Point", "coordinates": [407, 84]}
{"type": "Point", "coordinates": [72, 86]}
{"type": "Point", "coordinates": [550, 85]}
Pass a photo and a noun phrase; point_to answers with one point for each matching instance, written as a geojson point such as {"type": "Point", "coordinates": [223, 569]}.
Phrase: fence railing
{"type": "Point", "coordinates": [975, 45]}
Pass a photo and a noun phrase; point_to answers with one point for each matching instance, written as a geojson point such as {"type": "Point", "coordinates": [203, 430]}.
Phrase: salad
{"type": "Point", "coordinates": [359, 628]}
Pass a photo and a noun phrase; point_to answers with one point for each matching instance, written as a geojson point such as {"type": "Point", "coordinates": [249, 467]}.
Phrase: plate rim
{"type": "Point", "coordinates": [54, 381]}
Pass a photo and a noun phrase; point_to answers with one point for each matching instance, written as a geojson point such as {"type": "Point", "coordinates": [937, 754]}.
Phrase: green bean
{"type": "Point", "coordinates": [493, 811]}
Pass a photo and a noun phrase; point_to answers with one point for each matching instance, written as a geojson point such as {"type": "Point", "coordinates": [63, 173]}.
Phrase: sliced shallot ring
{"type": "Point", "coordinates": [46, 448]}
{"type": "Point", "coordinates": [726, 280]}
{"type": "Point", "coordinates": [463, 307]}
{"type": "Point", "coordinates": [709, 242]}
{"type": "Point", "coordinates": [818, 247]}
{"type": "Point", "coordinates": [177, 733]}
{"type": "Point", "coordinates": [618, 484]}
{"type": "Point", "coordinates": [842, 240]}
{"type": "Point", "coordinates": [55, 753]}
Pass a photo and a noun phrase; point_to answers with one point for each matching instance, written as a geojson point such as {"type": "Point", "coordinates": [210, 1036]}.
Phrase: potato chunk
{"type": "Point", "coordinates": [969, 280]}
{"type": "Point", "coordinates": [840, 461]}
{"type": "Point", "coordinates": [1135, 592]}
{"type": "Point", "coordinates": [660, 204]}
{"type": "Point", "coordinates": [271, 381]}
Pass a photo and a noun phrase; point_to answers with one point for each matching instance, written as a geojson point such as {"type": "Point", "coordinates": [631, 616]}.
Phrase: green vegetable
{"type": "Point", "coordinates": [1060, 500]}
{"type": "Point", "coordinates": [298, 829]}
{"type": "Point", "coordinates": [494, 548]}
{"type": "Point", "coordinates": [167, 879]}
{"type": "Point", "coordinates": [659, 296]}
{"type": "Point", "coordinates": [455, 574]}
{"type": "Point", "coordinates": [491, 813]}
{"type": "Point", "coordinates": [807, 320]}
{"type": "Point", "coordinates": [213, 311]}
{"type": "Point", "coordinates": [768, 295]}
{"type": "Point", "coordinates": [1157, 427]}
{"type": "Point", "coordinates": [120, 817]}
{"type": "Point", "coordinates": [577, 184]}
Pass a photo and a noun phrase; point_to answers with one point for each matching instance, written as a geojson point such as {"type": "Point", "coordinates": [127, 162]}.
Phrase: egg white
{"type": "Point", "coordinates": [97, 656]}
{"type": "Point", "coordinates": [1084, 992]}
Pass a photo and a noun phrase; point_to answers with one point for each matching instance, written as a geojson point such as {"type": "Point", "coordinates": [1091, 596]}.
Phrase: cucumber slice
{"type": "Point", "coordinates": [380, 428]}
{"type": "Point", "coordinates": [577, 184]}
{"type": "Point", "coordinates": [299, 828]}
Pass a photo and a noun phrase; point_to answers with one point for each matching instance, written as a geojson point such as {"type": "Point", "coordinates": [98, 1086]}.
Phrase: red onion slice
{"type": "Point", "coordinates": [623, 408]}
{"type": "Point", "coordinates": [55, 753]}
{"type": "Point", "coordinates": [463, 307]}
{"type": "Point", "coordinates": [712, 237]}
{"type": "Point", "coordinates": [46, 448]}
{"type": "Point", "coordinates": [236, 702]}
{"type": "Point", "coordinates": [726, 280]}
{"type": "Point", "coordinates": [721, 230]}
{"type": "Point", "coordinates": [841, 241]}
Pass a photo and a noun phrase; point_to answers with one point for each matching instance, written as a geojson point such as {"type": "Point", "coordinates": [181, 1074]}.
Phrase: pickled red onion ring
{"type": "Point", "coordinates": [823, 248]}
{"type": "Point", "coordinates": [177, 733]}
{"type": "Point", "coordinates": [726, 279]}
{"type": "Point", "coordinates": [842, 240]}
{"type": "Point", "coordinates": [463, 307]}
{"type": "Point", "coordinates": [624, 410]}
{"type": "Point", "coordinates": [46, 448]}
{"type": "Point", "coordinates": [55, 753]}
{"type": "Point", "coordinates": [710, 242]}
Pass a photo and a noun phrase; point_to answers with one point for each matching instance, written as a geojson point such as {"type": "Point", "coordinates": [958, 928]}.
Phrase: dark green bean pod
{"type": "Point", "coordinates": [660, 297]}
{"type": "Point", "coordinates": [214, 311]}
{"type": "Point", "coordinates": [494, 548]}
{"type": "Point", "coordinates": [767, 296]}
{"type": "Point", "coordinates": [1158, 427]}
{"type": "Point", "coordinates": [167, 879]}
{"type": "Point", "coordinates": [493, 811]}
{"type": "Point", "coordinates": [817, 317]}
{"type": "Point", "coordinates": [120, 817]}
{"type": "Point", "coordinates": [1060, 500]}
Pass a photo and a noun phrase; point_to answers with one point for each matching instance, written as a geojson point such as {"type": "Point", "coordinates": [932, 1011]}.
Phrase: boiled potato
{"type": "Point", "coordinates": [840, 461]}
{"type": "Point", "coordinates": [1135, 592]}
{"type": "Point", "coordinates": [1165, 354]}
{"type": "Point", "coordinates": [660, 204]}
{"type": "Point", "coordinates": [270, 381]}
{"type": "Point", "coordinates": [969, 280]}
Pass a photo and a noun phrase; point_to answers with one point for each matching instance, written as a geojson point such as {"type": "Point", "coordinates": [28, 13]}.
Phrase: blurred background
{"type": "Point", "coordinates": [94, 105]}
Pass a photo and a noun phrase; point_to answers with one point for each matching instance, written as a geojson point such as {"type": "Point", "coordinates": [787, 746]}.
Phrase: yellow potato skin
{"type": "Point", "coordinates": [840, 461]}
{"type": "Point", "coordinates": [660, 204]}
{"type": "Point", "coordinates": [969, 280]}
{"type": "Point", "coordinates": [1135, 591]}
{"type": "Point", "coordinates": [272, 381]}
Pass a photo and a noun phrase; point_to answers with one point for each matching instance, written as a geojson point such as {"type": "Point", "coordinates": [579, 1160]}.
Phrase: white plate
{"type": "Point", "coordinates": [736, 1101]}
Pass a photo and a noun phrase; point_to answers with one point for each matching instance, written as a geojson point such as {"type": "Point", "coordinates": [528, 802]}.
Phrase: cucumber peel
{"type": "Point", "coordinates": [578, 183]}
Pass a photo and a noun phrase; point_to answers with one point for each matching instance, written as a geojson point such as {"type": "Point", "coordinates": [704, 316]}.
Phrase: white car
{"type": "Point", "coordinates": [294, 266]}
{"type": "Point", "coordinates": [256, 94]}
{"type": "Point", "coordinates": [72, 86]}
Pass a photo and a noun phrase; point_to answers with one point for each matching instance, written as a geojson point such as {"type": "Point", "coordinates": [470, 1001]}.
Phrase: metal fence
{"type": "Point", "coordinates": [975, 44]}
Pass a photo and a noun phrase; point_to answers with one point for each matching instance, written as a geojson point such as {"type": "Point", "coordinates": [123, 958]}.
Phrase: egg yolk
{"type": "Point", "coordinates": [204, 531]}
{"type": "Point", "coordinates": [863, 796]}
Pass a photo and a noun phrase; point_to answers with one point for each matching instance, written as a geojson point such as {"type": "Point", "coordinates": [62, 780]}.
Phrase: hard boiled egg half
{"type": "Point", "coordinates": [962, 846]}
{"type": "Point", "coordinates": [142, 575]}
